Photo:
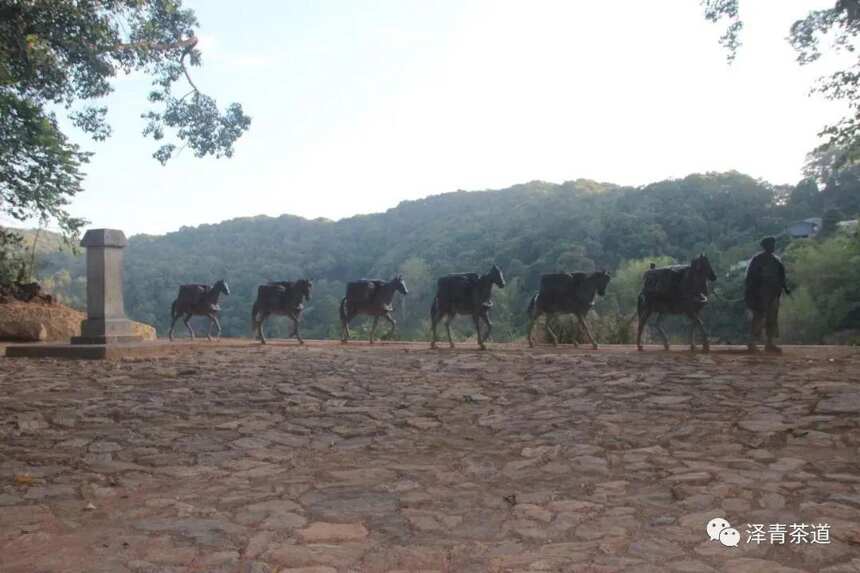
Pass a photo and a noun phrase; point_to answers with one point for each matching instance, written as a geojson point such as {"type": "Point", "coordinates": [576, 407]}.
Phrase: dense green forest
{"type": "Point", "coordinates": [527, 230]}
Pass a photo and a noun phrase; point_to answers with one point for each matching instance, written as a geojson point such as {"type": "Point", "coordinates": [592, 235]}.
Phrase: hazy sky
{"type": "Point", "coordinates": [358, 105]}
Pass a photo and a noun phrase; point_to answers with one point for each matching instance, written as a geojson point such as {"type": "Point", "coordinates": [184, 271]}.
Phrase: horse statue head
{"type": "Point", "coordinates": [497, 277]}
{"type": "Point", "coordinates": [400, 284]}
{"type": "Point", "coordinates": [701, 267]}
{"type": "Point", "coordinates": [220, 286]}
{"type": "Point", "coordinates": [602, 279]}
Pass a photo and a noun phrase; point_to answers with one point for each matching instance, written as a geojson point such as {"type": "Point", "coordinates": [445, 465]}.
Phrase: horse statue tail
{"type": "Point", "coordinates": [434, 308]}
{"type": "Point", "coordinates": [532, 306]}
{"type": "Point", "coordinates": [173, 310]}
{"type": "Point", "coordinates": [343, 309]}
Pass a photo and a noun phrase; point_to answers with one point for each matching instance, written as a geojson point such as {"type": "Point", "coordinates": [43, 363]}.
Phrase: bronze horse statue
{"type": "Point", "coordinates": [678, 289]}
{"type": "Point", "coordinates": [566, 293]}
{"type": "Point", "coordinates": [465, 293]}
{"type": "Point", "coordinates": [284, 298]}
{"type": "Point", "coordinates": [198, 300]}
{"type": "Point", "coordinates": [372, 297]}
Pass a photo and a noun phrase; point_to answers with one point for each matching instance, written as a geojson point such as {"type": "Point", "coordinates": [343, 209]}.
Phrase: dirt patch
{"type": "Point", "coordinates": [44, 322]}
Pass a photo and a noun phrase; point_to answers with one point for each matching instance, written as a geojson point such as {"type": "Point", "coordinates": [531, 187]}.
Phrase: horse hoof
{"type": "Point", "coordinates": [706, 349]}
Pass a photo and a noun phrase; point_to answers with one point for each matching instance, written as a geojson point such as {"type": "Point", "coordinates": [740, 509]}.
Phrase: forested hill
{"type": "Point", "coordinates": [527, 230]}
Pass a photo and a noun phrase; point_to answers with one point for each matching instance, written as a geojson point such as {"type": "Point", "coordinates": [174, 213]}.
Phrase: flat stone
{"type": "Point", "coordinates": [423, 423]}
{"type": "Point", "coordinates": [747, 565]}
{"type": "Point", "coordinates": [846, 403]}
{"type": "Point", "coordinates": [204, 531]}
{"type": "Point", "coordinates": [700, 478]}
{"type": "Point", "coordinates": [322, 532]}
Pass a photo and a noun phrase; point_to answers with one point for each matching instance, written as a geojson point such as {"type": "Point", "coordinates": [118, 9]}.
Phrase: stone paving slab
{"type": "Point", "coordinates": [233, 457]}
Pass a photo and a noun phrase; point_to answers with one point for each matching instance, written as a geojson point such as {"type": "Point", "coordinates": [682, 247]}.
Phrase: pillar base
{"type": "Point", "coordinates": [106, 339]}
{"type": "Point", "coordinates": [106, 331]}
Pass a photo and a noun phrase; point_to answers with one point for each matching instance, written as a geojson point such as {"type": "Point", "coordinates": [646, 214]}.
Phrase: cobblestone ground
{"type": "Point", "coordinates": [324, 459]}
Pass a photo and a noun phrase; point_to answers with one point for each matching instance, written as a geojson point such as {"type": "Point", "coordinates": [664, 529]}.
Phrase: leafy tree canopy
{"type": "Point", "coordinates": [62, 55]}
{"type": "Point", "coordinates": [839, 26]}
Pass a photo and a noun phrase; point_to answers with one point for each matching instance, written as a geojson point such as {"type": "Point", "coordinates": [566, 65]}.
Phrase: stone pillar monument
{"type": "Point", "coordinates": [106, 322]}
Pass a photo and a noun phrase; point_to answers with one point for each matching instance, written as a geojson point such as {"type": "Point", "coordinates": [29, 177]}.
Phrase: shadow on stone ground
{"type": "Point", "coordinates": [329, 458]}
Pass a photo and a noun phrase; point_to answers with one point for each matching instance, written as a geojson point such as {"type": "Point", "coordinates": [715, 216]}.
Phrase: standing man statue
{"type": "Point", "coordinates": [765, 282]}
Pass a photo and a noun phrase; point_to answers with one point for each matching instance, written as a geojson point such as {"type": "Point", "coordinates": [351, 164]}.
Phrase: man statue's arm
{"type": "Point", "coordinates": [753, 272]}
{"type": "Point", "coordinates": [782, 278]}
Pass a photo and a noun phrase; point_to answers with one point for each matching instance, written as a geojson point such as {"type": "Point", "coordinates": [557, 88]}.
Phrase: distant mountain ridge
{"type": "Point", "coordinates": [527, 229]}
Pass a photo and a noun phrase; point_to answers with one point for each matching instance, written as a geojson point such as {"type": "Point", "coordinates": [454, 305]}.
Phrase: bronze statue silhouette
{"type": "Point", "coordinates": [678, 289]}
{"type": "Point", "coordinates": [373, 298]}
{"type": "Point", "coordinates": [763, 287]}
{"type": "Point", "coordinates": [283, 298]}
{"type": "Point", "coordinates": [198, 300]}
{"type": "Point", "coordinates": [566, 293]}
{"type": "Point", "coordinates": [465, 293]}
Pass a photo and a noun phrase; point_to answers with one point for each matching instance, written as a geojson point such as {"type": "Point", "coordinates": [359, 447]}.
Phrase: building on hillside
{"type": "Point", "coordinates": [740, 266]}
{"type": "Point", "coordinates": [849, 226]}
{"type": "Point", "coordinates": [804, 229]}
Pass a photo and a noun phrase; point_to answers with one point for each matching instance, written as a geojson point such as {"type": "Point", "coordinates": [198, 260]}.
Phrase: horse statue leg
{"type": "Point", "coordinates": [213, 319]}
{"type": "Point", "coordinates": [344, 321]}
{"type": "Point", "coordinates": [254, 312]}
{"type": "Point", "coordinates": [584, 325]}
{"type": "Point", "coordinates": [217, 325]}
{"type": "Point", "coordinates": [533, 313]}
{"type": "Point", "coordinates": [476, 318]}
{"type": "Point", "coordinates": [659, 326]}
{"type": "Point", "coordinates": [697, 321]}
{"type": "Point", "coordinates": [261, 318]}
{"type": "Point", "coordinates": [549, 318]}
{"type": "Point", "coordinates": [297, 318]}
{"type": "Point", "coordinates": [373, 328]}
{"type": "Point", "coordinates": [529, 329]}
{"type": "Point", "coordinates": [434, 321]}
{"type": "Point", "coordinates": [644, 313]}
{"type": "Point", "coordinates": [188, 324]}
{"type": "Point", "coordinates": [393, 323]}
{"type": "Point", "coordinates": [485, 315]}
{"type": "Point", "coordinates": [174, 316]}
{"type": "Point", "coordinates": [448, 320]}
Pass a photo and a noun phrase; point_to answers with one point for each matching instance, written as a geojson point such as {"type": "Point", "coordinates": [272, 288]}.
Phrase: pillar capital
{"type": "Point", "coordinates": [104, 238]}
